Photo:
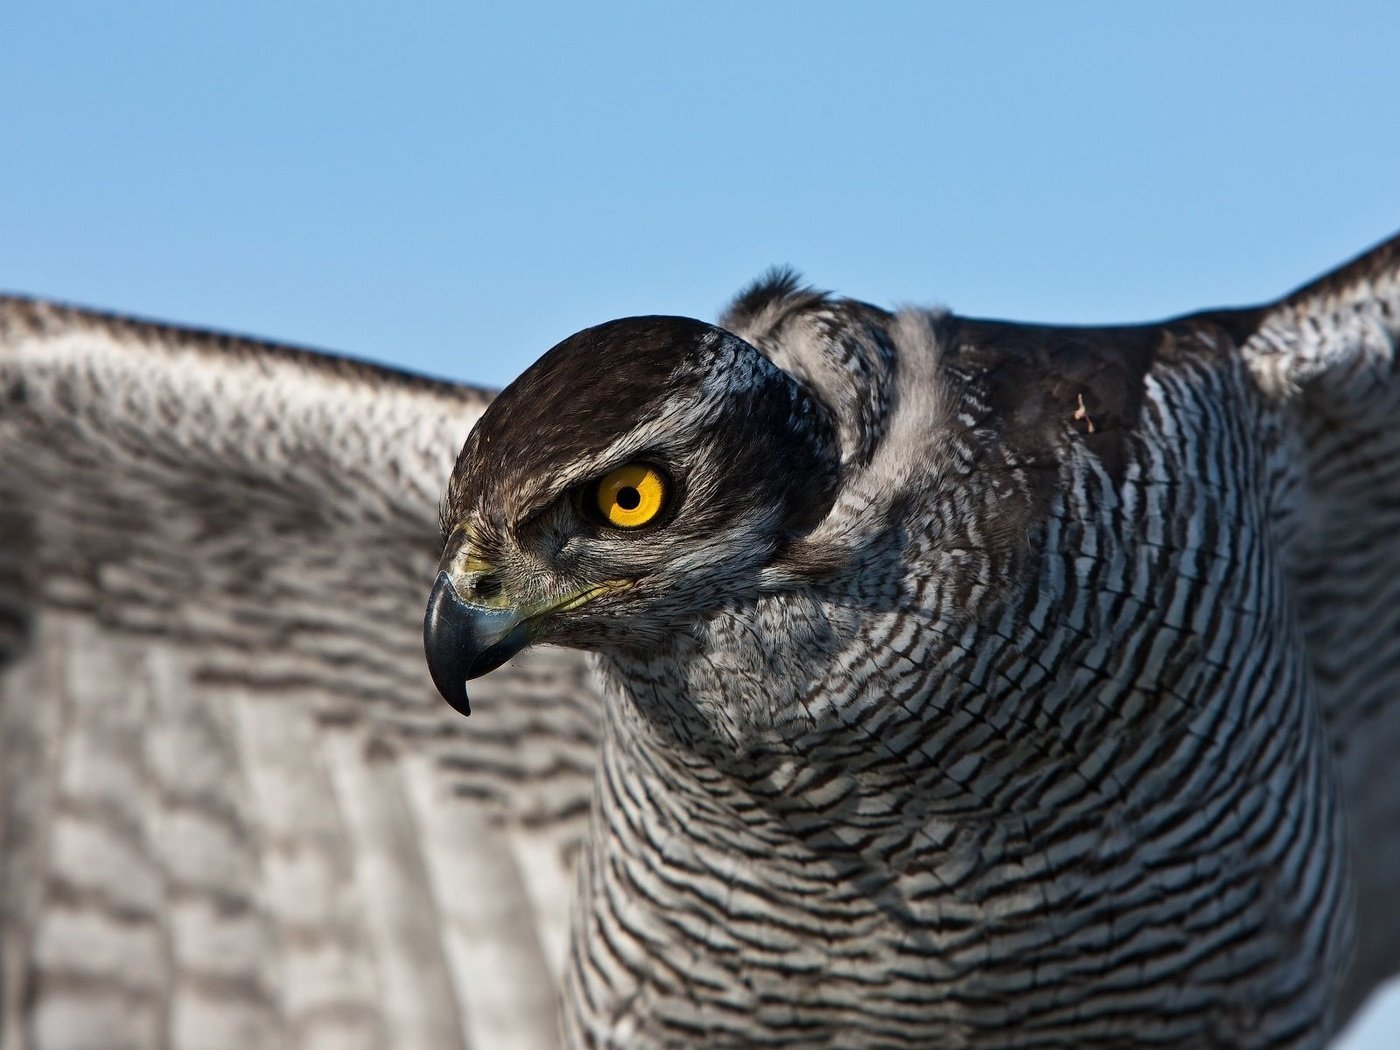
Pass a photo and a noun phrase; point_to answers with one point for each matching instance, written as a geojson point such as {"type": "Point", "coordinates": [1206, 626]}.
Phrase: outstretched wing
{"type": "Point", "coordinates": [1329, 354]}
{"type": "Point", "coordinates": [233, 811]}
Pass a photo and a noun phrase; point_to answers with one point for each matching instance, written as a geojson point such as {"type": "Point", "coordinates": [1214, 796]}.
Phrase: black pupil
{"type": "Point", "coordinates": [628, 498]}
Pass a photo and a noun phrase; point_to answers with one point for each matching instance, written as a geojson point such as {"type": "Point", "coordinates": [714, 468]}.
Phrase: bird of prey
{"type": "Point", "coordinates": [949, 682]}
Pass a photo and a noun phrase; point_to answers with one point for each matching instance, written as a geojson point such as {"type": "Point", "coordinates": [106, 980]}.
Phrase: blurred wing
{"type": "Point", "coordinates": [1329, 352]}
{"type": "Point", "coordinates": [233, 810]}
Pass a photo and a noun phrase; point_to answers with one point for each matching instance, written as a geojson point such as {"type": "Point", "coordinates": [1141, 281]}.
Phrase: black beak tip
{"type": "Point", "coordinates": [454, 691]}
{"type": "Point", "coordinates": [446, 644]}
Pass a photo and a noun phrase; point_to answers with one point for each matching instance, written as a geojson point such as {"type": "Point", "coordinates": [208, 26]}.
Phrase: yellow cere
{"type": "Point", "coordinates": [632, 495]}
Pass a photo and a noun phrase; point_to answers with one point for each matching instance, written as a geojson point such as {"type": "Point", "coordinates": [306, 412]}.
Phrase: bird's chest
{"type": "Point", "coordinates": [723, 913]}
{"type": "Point", "coordinates": [897, 851]}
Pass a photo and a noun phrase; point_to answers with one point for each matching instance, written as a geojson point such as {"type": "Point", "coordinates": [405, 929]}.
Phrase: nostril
{"type": "Point", "coordinates": [486, 587]}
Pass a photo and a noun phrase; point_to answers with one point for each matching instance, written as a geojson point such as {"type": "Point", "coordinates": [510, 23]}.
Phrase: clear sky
{"type": "Point", "coordinates": [454, 188]}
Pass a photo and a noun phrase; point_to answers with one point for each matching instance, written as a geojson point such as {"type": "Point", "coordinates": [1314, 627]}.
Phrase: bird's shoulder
{"type": "Point", "coordinates": [1032, 384]}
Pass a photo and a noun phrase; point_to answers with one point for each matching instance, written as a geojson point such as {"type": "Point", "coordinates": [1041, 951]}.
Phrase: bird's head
{"type": "Point", "coordinates": [635, 478]}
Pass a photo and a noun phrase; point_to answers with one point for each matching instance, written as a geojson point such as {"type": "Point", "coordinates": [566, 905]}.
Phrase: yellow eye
{"type": "Point", "coordinates": [632, 495]}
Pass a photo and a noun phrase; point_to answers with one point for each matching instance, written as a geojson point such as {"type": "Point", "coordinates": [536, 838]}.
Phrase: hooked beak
{"type": "Point", "coordinates": [463, 640]}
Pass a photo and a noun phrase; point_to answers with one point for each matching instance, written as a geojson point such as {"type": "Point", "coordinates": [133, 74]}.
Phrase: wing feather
{"type": "Point", "coordinates": [1328, 353]}
{"type": "Point", "coordinates": [234, 810]}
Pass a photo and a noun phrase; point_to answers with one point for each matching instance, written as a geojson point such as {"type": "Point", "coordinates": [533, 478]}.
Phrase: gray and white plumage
{"type": "Point", "coordinates": [1003, 685]}
{"type": "Point", "coordinates": [232, 810]}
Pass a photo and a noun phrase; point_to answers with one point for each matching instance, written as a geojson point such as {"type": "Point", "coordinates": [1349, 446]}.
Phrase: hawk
{"type": "Point", "coordinates": [950, 682]}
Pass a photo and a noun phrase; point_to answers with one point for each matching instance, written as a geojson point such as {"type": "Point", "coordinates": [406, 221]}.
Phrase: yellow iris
{"type": "Point", "coordinates": [632, 495]}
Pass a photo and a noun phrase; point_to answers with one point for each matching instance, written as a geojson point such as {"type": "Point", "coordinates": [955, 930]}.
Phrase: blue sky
{"type": "Point", "coordinates": [454, 188]}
